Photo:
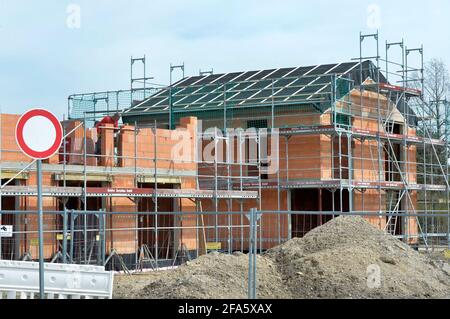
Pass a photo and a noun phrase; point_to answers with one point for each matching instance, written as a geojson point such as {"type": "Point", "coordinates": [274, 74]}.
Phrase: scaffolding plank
{"type": "Point", "coordinates": [397, 137]}
{"type": "Point", "coordinates": [126, 192]}
{"type": "Point", "coordinates": [385, 87]}
{"type": "Point", "coordinates": [334, 184]}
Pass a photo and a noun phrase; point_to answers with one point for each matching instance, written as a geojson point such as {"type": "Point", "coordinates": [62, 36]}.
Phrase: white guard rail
{"type": "Point", "coordinates": [20, 279]}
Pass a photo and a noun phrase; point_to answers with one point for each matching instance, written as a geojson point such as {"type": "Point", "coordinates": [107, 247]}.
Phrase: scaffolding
{"type": "Point", "coordinates": [347, 139]}
{"type": "Point", "coordinates": [400, 157]}
{"type": "Point", "coordinates": [84, 191]}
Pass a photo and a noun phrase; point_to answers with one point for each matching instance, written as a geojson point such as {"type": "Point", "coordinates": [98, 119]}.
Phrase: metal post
{"type": "Point", "coordinates": [40, 229]}
{"type": "Point", "coordinates": [250, 252]}
{"type": "Point", "coordinates": [101, 234]}
{"type": "Point", "coordinates": [1, 158]}
{"type": "Point", "coordinates": [225, 108]}
{"type": "Point", "coordinates": [99, 241]}
{"type": "Point", "coordinates": [447, 172]}
{"type": "Point", "coordinates": [103, 242]}
{"type": "Point", "coordinates": [0, 214]}
{"type": "Point", "coordinates": [72, 233]}
{"type": "Point", "coordinates": [216, 201]}
{"type": "Point", "coordinates": [350, 172]}
{"type": "Point", "coordinates": [255, 250]}
{"type": "Point", "coordinates": [137, 200]}
{"type": "Point", "coordinates": [289, 216]}
{"type": "Point", "coordinates": [288, 192]}
{"type": "Point", "coordinates": [278, 194]}
{"type": "Point", "coordinates": [198, 205]}
{"type": "Point", "coordinates": [85, 237]}
{"type": "Point", "coordinates": [340, 172]}
{"type": "Point", "coordinates": [145, 73]}
{"type": "Point", "coordinates": [251, 259]}
{"type": "Point", "coordinates": [64, 152]}
{"type": "Point", "coordinates": [170, 108]}
{"type": "Point", "coordinates": [227, 165]}
{"type": "Point", "coordinates": [172, 68]}
{"type": "Point", "coordinates": [241, 187]}
{"type": "Point", "coordinates": [85, 185]}
{"type": "Point", "coordinates": [259, 160]}
{"type": "Point", "coordinates": [405, 222]}
{"type": "Point", "coordinates": [155, 195]}
{"type": "Point", "coordinates": [229, 160]}
{"type": "Point", "coordinates": [64, 248]}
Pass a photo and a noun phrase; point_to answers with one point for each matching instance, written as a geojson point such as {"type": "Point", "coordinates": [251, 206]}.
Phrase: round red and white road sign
{"type": "Point", "coordinates": [39, 133]}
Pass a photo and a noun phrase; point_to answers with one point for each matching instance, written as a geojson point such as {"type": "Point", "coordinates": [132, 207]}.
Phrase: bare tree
{"type": "Point", "coordinates": [436, 89]}
{"type": "Point", "coordinates": [434, 112]}
{"type": "Point", "coordinates": [436, 116]}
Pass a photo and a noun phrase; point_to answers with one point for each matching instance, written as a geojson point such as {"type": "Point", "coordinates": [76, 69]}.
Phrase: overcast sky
{"type": "Point", "coordinates": [47, 53]}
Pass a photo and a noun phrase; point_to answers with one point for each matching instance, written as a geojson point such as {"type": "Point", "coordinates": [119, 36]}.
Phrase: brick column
{"type": "Point", "coordinates": [107, 145]}
{"type": "Point", "coordinates": [189, 236]}
{"type": "Point", "coordinates": [126, 146]}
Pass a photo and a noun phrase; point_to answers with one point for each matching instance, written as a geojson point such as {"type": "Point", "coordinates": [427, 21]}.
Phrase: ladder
{"type": "Point", "coordinates": [391, 224]}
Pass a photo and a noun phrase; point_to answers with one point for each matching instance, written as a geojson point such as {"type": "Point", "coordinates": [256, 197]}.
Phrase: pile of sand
{"type": "Point", "coordinates": [342, 258]}
{"type": "Point", "coordinates": [338, 260]}
{"type": "Point", "coordinates": [217, 276]}
{"type": "Point", "coordinates": [211, 276]}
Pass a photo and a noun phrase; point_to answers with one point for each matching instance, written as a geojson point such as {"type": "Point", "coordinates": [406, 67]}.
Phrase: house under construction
{"type": "Point", "coordinates": [179, 177]}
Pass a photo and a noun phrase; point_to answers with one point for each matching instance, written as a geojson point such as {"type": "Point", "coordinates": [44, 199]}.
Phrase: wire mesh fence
{"type": "Point", "coordinates": [163, 239]}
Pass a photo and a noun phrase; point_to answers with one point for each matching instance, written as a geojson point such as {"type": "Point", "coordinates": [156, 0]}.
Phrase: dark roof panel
{"type": "Point", "coordinates": [301, 71]}
{"type": "Point", "coordinates": [240, 89]}
{"type": "Point", "coordinates": [245, 76]}
{"type": "Point", "coordinates": [280, 73]}
{"type": "Point", "coordinates": [229, 77]}
{"type": "Point", "coordinates": [190, 80]}
{"type": "Point", "coordinates": [262, 74]}
{"type": "Point", "coordinates": [208, 79]}
{"type": "Point", "coordinates": [344, 67]}
{"type": "Point", "coordinates": [322, 69]}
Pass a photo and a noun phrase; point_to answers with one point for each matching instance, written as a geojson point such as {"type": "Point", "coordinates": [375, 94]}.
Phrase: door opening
{"type": "Point", "coordinates": [312, 202]}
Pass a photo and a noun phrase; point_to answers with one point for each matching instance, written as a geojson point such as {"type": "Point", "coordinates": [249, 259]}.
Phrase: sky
{"type": "Point", "coordinates": [50, 49]}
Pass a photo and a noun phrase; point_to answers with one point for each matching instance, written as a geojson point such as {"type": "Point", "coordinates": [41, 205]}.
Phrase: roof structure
{"type": "Point", "coordinates": [284, 86]}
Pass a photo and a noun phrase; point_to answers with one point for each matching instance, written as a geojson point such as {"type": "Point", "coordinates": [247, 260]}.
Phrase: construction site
{"type": "Point", "coordinates": [302, 147]}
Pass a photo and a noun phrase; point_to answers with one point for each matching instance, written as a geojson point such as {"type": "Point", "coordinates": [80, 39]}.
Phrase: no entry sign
{"type": "Point", "coordinates": [39, 134]}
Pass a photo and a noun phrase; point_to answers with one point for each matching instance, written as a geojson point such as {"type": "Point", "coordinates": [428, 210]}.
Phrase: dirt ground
{"type": "Point", "coordinates": [212, 276]}
{"type": "Point", "coordinates": [345, 258]}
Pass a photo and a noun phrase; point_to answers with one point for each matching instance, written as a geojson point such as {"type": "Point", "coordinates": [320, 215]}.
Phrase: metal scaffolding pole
{"type": "Point", "coordinates": [396, 191]}
{"type": "Point", "coordinates": [252, 254]}
{"type": "Point", "coordinates": [84, 188]}
{"type": "Point", "coordinates": [155, 200]}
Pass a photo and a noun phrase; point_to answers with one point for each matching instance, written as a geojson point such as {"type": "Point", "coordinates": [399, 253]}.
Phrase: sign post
{"type": "Point", "coordinates": [39, 135]}
{"type": "Point", "coordinates": [40, 228]}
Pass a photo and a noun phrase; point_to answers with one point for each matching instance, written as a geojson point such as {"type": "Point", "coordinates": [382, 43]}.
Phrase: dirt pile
{"type": "Point", "coordinates": [338, 260]}
{"type": "Point", "coordinates": [342, 259]}
{"type": "Point", "coordinates": [211, 276]}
